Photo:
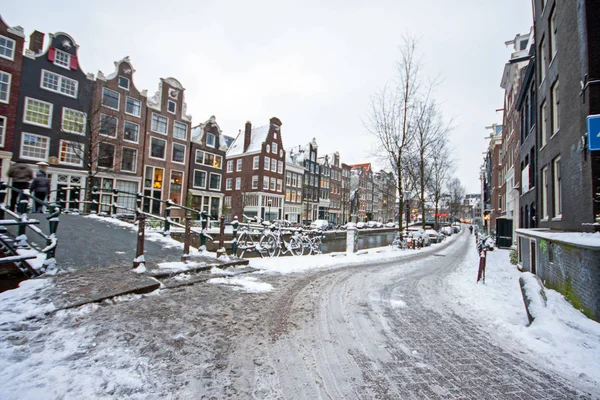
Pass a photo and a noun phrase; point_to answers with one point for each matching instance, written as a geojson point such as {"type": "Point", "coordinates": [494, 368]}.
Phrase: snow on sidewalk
{"type": "Point", "coordinates": [560, 336]}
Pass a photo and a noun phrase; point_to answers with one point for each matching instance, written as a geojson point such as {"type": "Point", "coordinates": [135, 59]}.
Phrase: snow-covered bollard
{"type": "Point", "coordinates": [534, 296]}
{"type": "Point", "coordinates": [351, 239]}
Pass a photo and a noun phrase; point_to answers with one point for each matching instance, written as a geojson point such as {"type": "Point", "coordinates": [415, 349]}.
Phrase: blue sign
{"type": "Point", "coordinates": [593, 130]}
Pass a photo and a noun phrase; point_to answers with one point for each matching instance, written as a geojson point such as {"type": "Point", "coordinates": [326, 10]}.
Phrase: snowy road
{"type": "Point", "coordinates": [388, 331]}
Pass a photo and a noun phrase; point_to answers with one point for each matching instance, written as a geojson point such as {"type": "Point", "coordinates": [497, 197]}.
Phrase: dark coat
{"type": "Point", "coordinates": [40, 183]}
{"type": "Point", "coordinates": [20, 173]}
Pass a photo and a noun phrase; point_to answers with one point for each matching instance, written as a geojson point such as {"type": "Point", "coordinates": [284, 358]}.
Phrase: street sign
{"type": "Point", "coordinates": [593, 130]}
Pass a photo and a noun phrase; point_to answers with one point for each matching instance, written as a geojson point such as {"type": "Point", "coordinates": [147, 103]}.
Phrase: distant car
{"type": "Point", "coordinates": [379, 224]}
{"type": "Point", "coordinates": [420, 233]}
{"type": "Point", "coordinates": [319, 224]}
{"type": "Point", "coordinates": [390, 225]}
{"type": "Point", "coordinates": [433, 235]}
{"type": "Point", "coordinates": [372, 224]}
{"type": "Point", "coordinates": [361, 225]}
{"type": "Point", "coordinates": [447, 230]}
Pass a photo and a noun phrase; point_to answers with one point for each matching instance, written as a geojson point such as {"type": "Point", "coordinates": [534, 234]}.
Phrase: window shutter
{"type": "Point", "coordinates": [51, 54]}
{"type": "Point", "coordinates": [73, 62]}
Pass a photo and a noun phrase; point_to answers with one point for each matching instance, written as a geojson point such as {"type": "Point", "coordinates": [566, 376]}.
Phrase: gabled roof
{"type": "Point", "coordinates": [364, 166]}
{"type": "Point", "coordinates": [257, 137]}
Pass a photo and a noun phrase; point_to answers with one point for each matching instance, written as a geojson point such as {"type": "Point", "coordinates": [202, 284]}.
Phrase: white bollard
{"type": "Point", "coordinates": [351, 241]}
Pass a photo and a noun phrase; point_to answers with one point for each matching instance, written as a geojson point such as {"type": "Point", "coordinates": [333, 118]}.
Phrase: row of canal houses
{"type": "Point", "coordinates": [101, 130]}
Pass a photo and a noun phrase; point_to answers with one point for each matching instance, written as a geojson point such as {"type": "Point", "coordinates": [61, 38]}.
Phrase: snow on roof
{"type": "Point", "coordinates": [257, 137]}
{"type": "Point", "coordinates": [583, 239]}
{"type": "Point", "coordinates": [197, 133]}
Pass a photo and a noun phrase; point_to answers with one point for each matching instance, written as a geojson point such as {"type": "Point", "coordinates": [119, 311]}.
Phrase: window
{"type": "Point", "coordinates": [159, 124]}
{"type": "Point", "coordinates": [288, 178]}
{"type": "Point", "coordinates": [34, 147]}
{"type": "Point", "coordinates": [157, 148]}
{"type": "Point", "coordinates": [280, 153]}
{"type": "Point", "coordinates": [273, 184]}
{"type": "Point", "coordinates": [274, 165]}
{"type": "Point", "coordinates": [171, 106]}
{"type": "Point", "coordinates": [555, 111]}
{"type": "Point", "coordinates": [179, 130]}
{"type": "Point", "coordinates": [238, 167]}
{"type": "Point", "coordinates": [552, 24]}
{"type": "Point", "coordinates": [62, 59]}
{"type": "Point", "coordinates": [71, 153]}
{"type": "Point", "coordinates": [133, 106]}
{"type": "Point", "coordinates": [280, 167]}
{"type": "Point", "coordinates": [4, 87]}
{"type": "Point", "coordinates": [255, 162]}
{"type": "Point", "coordinates": [73, 121]}
{"type": "Point", "coordinates": [254, 181]}
{"type": "Point", "coordinates": [288, 196]}
{"type": "Point", "coordinates": [7, 48]}
{"type": "Point", "coordinates": [108, 125]}
{"type": "Point", "coordinates": [279, 185]}
{"type": "Point", "coordinates": [268, 148]}
{"type": "Point", "coordinates": [106, 155]}
{"type": "Point", "coordinates": [199, 179]}
{"type": "Point", "coordinates": [210, 140]}
{"type": "Point", "coordinates": [238, 183]}
{"type": "Point", "coordinates": [265, 182]}
{"type": "Point", "coordinates": [274, 135]}
{"type": "Point", "coordinates": [178, 154]}
{"type": "Point", "coordinates": [543, 125]}
{"type": "Point", "coordinates": [228, 184]}
{"type": "Point", "coordinates": [129, 159]}
{"type": "Point", "coordinates": [123, 82]}
{"type": "Point", "coordinates": [267, 163]}
{"type": "Point", "coordinates": [2, 130]}
{"type": "Point", "coordinates": [544, 200]}
{"type": "Point", "coordinates": [59, 84]}
{"type": "Point", "coordinates": [230, 166]}
{"type": "Point", "coordinates": [274, 148]}
{"type": "Point", "coordinates": [110, 98]}
{"type": "Point", "coordinates": [176, 186]}
{"type": "Point", "coordinates": [37, 112]}
{"type": "Point", "coordinates": [556, 187]}
{"type": "Point", "coordinates": [544, 60]}
{"type": "Point", "coordinates": [131, 131]}
{"type": "Point", "coordinates": [215, 181]}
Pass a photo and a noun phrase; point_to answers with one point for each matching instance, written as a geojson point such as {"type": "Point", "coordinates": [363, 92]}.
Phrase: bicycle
{"type": "Point", "coordinates": [246, 239]}
{"type": "Point", "coordinates": [315, 241]}
{"type": "Point", "coordinates": [400, 242]}
{"type": "Point", "coordinates": [274, 243]}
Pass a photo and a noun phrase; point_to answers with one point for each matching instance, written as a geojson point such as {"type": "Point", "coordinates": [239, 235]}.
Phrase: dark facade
{"type": "Point", "coordinates": [324, 187]}
{"type": "Point", "coordinates": [54, 107]}
{"type": "Point", "coordinates": [365, 190]}
{"type": "Point", "coordinates": [306, 156]}
{"type": "Point", "coordinates": [116, 140]}
{"type": "Point", "coordinates": [167, 146]}
{"type": "Point", "coordinates": [11, 64]}
{"type": "Point", "coordinates": [345, 197]}
{"type": "Point", "coordinates": [568, 52]}
{"type": "Point", "coordinates": [294, 178]}
{"type": "Point", "coordinates": [335, 189]}
{"type": "Point", "coordinates": [255, 171]}
{"type": "Point", "coordinates": [206, 182]}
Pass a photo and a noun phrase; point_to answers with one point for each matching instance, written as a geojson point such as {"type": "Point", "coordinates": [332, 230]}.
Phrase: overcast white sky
{"type": "Point", "coordinates": [313, 64]}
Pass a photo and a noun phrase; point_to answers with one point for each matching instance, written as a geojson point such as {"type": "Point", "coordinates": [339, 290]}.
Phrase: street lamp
{"type": "Point", "coordinates": [270, 203]}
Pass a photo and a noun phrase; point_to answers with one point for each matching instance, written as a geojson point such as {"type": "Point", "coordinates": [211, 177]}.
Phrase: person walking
{"type": "Point", "coordinates": [21, 175]}
{"type": "Point", "coordinates": [40, 187]}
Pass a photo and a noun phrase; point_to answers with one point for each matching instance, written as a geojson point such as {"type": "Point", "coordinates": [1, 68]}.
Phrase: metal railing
{"type": "Point", "coordinates": [12, 245]}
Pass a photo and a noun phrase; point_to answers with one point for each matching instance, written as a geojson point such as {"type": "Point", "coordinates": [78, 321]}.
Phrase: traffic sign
{"type": "Point", "coordinates": [593, 131]}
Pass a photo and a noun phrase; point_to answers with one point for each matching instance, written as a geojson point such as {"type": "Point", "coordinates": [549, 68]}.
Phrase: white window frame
{"type": "Point", "coordinates": [140, 106]}
{"type": "Point", "coordinates": [556, 189]}
{"type": "Point", "coordinates": [214, 141]}
{"type": "Point", "coordinates": [220, 181]}
{"type": "Point", "coordinates": [279, 185]}
{"type": "Point", "coordinates": [119, 82]}
{"type": "Point", "coordinates": [169, 102]}
{"type": "Point", "coordinates": [118, 99]}
{"type": "Point", "coordinates": [273, 165]}
{"type": "Point", "coordinates": [58, 53]}
{"type": "Point", "coordinates": [114, 155]}
{"type": "Point", "coordinates": [69, 142]}
{"type": "Point", "coordinates": [116, 125]}
{"type": "Point", "coordinates": [178, 124]}
{"type": "Point", "coordinates": [228, 185]}
{"type": "Point", "coordinates": [238, 165]}
{"type": "Point", "coordinates": [3, 129]}
{"type": "Point", "coordinates": [268, 148]}
{"type": "Point", "coordinates": [274, 148]}
{"type": "Point", "coordinates": [229, 165]}
{"type": "Point", "coordinates": [544, 60]}
{"type": "Point", "coordinates": [205, 179]}
{"type": "Point", "coordinates": [8, 89]}
{"type": "Point", "coordinates": [14, 47]}
{"type": "Point", "coordinates": [238, 183]}
{"type": "Point", "coordinates": [150, 148]}
{"type": "Point", "coordinates": [544, 194]}
{"type": "Point", "coordinates": [265, 183]}
{"type": "Point", "coordinates": [21, 155]}
{"type": "Point", "coordinates": [158, 117]}
{"type": "Point", "coordinates": [84, 121]}
{"type": "Point", "coordinates": [552, 28]}
{"type": "Point", "coordinates": [267, 164]}
{"type": "Point", "coordinates": [254, 181]}
{"type": "Point", "coordinates": [27, 100]}
{"type": "Point", "coordinates": [543, 125]}
{"type": "Point", "coordinates": [280, 167]}
{"type": "Point", "coordinates": [273, 184]}
{"type": "Point", "coordinates": [173, 152]}
{"type": "Point", "coordinates": [134, 161]}
{"type": "Point", "coordinates": [256, 162]}
{"type": "Point", "coordinates": [555, 95]}
{"type": "Point", "coordinates": [138, 132]}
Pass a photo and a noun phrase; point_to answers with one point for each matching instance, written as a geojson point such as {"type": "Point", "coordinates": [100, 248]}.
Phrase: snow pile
{"type": "Point", "coordinates": [25, 302]}
{"type": "Point", "coordinates": [560, 335]}
{"type": "Point", "coordinates": [244, 283]}
{"type": "Point", "coordinates": [574, 238]}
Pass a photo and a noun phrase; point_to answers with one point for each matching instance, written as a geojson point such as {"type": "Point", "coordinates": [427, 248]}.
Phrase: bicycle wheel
{"type": "Point", "coordinates": [316, 245]}
{"type": "Point", "coordinates": [306, 246]}
{"type": "Point", "coordinates": [268, 245]}
{"type": "Point", "coordinates": [242, 246]}
{"type": "Point", "coordinates": [296, 246]}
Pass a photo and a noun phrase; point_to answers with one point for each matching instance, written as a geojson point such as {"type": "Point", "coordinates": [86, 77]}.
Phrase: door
{"type": "Point", "coordinates": [504, 233]}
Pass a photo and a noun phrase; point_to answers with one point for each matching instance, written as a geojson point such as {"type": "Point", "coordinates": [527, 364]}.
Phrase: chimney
{"type": "Point", "coordinates": [247, 135]}
{"type": "Point", "coordinates": [36, 41]}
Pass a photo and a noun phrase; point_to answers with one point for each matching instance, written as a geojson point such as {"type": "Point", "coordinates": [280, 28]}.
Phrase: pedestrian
{"type": "Point", "coordinates": [21, 175]}
{"type": "Point", "coordinates": [482, 249]}
{"type": "Point", "coordinates": [470, 229]}
{"type": "Point", "coordinates": [40, 187]}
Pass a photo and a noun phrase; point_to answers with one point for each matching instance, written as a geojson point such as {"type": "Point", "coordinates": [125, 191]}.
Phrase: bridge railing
{"type": "Point", "coordinates": [13, 246]}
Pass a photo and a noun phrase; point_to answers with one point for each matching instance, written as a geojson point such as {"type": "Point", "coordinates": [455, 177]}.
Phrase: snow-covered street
{"type": "Point", "coordinates": [404, 324]}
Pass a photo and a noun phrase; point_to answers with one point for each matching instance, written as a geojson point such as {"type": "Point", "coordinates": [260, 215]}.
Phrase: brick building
{"type": "Point", "coordinates": [335, 189]}
{"type": "Point", "coordinates": [345, 193]}
{"type": "Point", "coordinates": [306, 157]}
{"type": "Point", "coordinates": [117, 121]}
{"type": "Point", "coordinates": [54, 107]}
{"type": "Point", "coordinates": [384, 196]}
{"type": "Point", "coordinates": [255, 171]}
{"type": "Point", "coordinates": [294, 178]}
{"type": "Point", "coordinates": [206, 166]}
{"type": "Point", "coordinates": [324, 169]}
{"type": "Point", "coordinates": [364, 184]}
{"type": "Point", "coordinates": [492, 179]}
{"type": "Point", "coordinates": [167, 147]}
{"type": "Point", "coordinates": [11, 64]}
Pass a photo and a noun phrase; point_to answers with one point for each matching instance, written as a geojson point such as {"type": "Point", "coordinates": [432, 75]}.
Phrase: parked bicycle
{"type": "Point", "coordinates": [249, 236]}
{"type": "Point", "coordinates": [400, 242]}
{"type": "Point", "coordinates": [274, 243]}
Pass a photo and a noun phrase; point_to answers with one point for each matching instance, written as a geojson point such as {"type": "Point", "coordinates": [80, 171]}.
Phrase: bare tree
{"type": "Point", "coordinates": [390, 113]}
{"type": "Point", "coordinates": [457, 194]}
{"type": "Point", "coordinates": [442, 166]}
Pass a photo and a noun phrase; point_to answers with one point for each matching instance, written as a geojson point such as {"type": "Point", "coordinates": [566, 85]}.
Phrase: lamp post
{"type": "Point", "coordinates": [270, 203]}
